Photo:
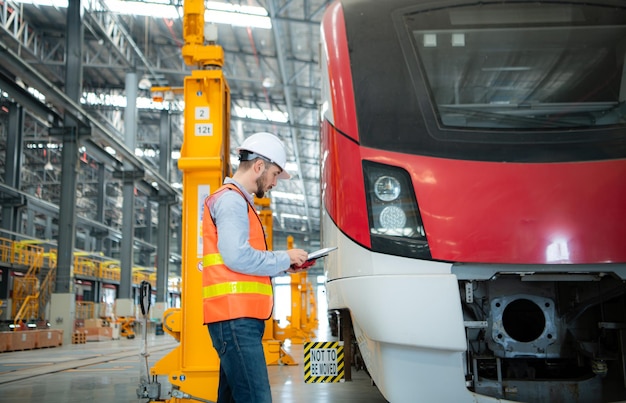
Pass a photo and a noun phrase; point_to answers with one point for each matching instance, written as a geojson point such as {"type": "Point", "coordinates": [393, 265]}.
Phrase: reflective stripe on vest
{"type": "Point", "coordinates": [212, 259]}
{"type": "Point", "coordinates": [236, 287]}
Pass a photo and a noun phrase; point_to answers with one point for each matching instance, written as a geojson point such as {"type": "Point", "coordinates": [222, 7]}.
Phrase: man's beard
{"type": "Point", "coordinates": [260, 184]}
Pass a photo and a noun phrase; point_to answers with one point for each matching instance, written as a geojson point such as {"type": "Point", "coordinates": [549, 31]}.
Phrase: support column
{"type": "Point", "coordinates": [63, 301]}
{"type": "Point", "coordinates": [13, 162]}
{"type": "Point", "coordinates": [29, 225]}
{"type": "Point", "coordinates": [124, 304]}
{"type": "Point", "coordinates": [100, 235]}
{"type": "Point", "coordinates": [107, 247]}
{"type": "Point", "coordinates": [179, 234]}
{"type": "Point", "coordinates": [163, 229]}
{"type": "Point", "coordinates": [146, 252]}
{"type": "Point", "coordinates": [48, 230]}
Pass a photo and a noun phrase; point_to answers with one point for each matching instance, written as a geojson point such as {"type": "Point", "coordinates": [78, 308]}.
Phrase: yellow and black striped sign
{"type": "Point", "coordinates": [323, 362]}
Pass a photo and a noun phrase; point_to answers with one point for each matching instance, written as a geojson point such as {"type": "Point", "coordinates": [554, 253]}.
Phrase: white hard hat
{"type": "Point", "coordinates": [269, 147]}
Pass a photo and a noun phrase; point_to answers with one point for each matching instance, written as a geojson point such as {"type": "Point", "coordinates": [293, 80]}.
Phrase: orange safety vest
{"type": "Point", "coordinates": [227, 294]}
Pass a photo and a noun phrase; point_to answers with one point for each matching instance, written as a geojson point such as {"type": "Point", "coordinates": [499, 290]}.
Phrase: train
{"type": "Point", "coordinates": [473, 178]}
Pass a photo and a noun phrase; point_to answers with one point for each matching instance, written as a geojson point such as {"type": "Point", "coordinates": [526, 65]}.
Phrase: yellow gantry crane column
{"type": "Point", "coordinates": [193, 366]}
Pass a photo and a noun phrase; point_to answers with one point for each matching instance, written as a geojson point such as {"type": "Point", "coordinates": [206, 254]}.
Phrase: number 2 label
{"type": "Point", "coordinates": [202, 112]}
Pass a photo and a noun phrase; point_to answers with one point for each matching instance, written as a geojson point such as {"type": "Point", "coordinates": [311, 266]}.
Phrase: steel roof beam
{"type": "Point", "coordinates": [14, 64]}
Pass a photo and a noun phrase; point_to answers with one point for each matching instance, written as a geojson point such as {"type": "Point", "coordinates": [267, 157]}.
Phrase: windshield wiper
{"type": "Point", "coordinates": [540, 114]}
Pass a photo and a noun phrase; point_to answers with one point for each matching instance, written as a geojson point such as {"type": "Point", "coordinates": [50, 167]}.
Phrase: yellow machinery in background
{"type": "Point", "coordinates": [192, 368]}
{"type": "Point", "coordinates": [126, 326]}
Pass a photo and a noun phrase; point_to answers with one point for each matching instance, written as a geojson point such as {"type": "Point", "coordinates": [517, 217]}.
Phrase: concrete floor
{"type": "Point", "coordinates": [108, 371]}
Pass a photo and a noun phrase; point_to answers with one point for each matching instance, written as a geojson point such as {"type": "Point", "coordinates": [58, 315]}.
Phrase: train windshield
{"type": "Point", "coordinates": [523, 67]}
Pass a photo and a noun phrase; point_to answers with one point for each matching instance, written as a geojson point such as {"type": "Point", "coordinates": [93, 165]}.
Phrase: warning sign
{"type": "Point", "coordinates": [323, 362]}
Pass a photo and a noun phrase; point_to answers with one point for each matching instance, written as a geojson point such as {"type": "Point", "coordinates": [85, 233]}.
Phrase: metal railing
{"type": "Point", "coordinates": [26, 289]}
{"type": "Point", "coordinates": [31, 296]}
{"type": "Point", "coordinates": [85, 310]}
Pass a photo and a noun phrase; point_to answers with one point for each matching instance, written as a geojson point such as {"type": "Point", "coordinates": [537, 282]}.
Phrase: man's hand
{"type": "Point", "coordinates": [297, 256]}
{"type": "Point", "coordinates": [295, 268]}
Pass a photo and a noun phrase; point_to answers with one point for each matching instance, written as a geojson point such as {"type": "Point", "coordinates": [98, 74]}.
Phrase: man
{"type": "Point", "coordinates": [237, 267]}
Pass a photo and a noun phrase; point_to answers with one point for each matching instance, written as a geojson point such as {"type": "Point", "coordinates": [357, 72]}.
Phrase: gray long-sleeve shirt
{"type": "Point", "coordinates": [230, 214]}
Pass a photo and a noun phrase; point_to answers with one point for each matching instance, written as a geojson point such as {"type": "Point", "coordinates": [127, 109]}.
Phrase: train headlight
{"type": "Point", "coordinates": [392, 218]}
{"type": "Point", "coordinates": [395, 223]}
{"type": "Point", "coordinates": [387, 188]}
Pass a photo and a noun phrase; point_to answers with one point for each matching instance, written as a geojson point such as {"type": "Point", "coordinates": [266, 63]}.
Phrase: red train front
{"type": "Point", "coordinates": [474, 179]}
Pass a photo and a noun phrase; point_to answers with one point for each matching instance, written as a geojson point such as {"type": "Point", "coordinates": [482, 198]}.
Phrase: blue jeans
{"type": "Point", "coordinates": [243, 371]}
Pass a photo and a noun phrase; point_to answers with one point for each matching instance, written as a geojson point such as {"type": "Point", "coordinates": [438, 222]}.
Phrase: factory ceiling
{"type": "Point", "coordinates": [271, 64]}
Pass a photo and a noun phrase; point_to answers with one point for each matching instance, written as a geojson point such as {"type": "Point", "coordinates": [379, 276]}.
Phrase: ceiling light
{"type": "Point", "coordinates": [237, 19]}
{"type": "Point", "coordinates": [53, 3]}
{"type": "Point", "coordinates": [140, 8]}
{"type": "Point", "coordinates": [144, 84]}
{"type": "Point", "coordinates": [294, 216]}
{"type": "Point", "coordinates": [268, 82]}
{"type": "Point", "coordinates": [261, 114]}
{"type": "Point", "coordinates": [238, 15]}
{"type": "Point", "coordinates": [48, 166]}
